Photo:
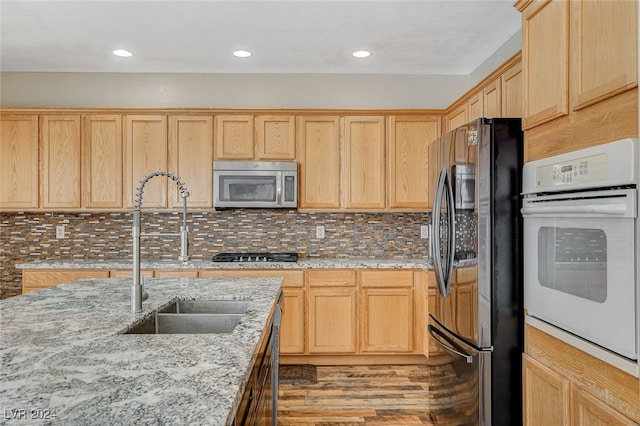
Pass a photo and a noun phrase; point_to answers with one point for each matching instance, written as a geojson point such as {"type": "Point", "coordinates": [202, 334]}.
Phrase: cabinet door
{"type": "Point", "coordinates": [36, 280]}
{"type": "Point", "coordinates": [386, 317]}
{"type": "Point", "coordinates": [18, 161]}
{"type": "Point", "coordinates": [512, 100]}
{"type": "Point", "coordinates": [433, 170]}
{"type": "Point", "coordinates": [234, 137]}
{"type": "Point", "coordinates": [604, 49]}
{"type": "Point", "coordinates": [457, 117]}
{"type": "Point", "coordinates": [102, 161]}
{"type": "Point", "coordinates": [191, 158]}
{"type": "Point", "coordinates": [590, 411]}
{"type": "Point", "coordinates": [492, 98]}
{"type": "Point", "coordinates": [178, 273]}
{"type": "Point", "coordinates": [145, 143]}
{"type": "Point", "coordinates": [60, 144]}
{"type": "Point", "coordinates": [319, 162]}
{"type": "Point", "coordinates": [408, 146]}
{"type": "Point", "coordinates": [276, 137]}
{"type": "Point", "coordinates": [363, 165]}
{"type": "Point", "coordinates": [293, 325]}
{"type": "Point", "coordinates": [545, 393]}
{"type": "Point", "coordinates": [332, 320]}
{"type": "Point", "coordinates": [475, 107]}
{"type": "Point", "coordinates": [545, 54]}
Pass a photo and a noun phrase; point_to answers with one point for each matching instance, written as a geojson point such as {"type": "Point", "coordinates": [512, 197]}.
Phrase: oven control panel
{"type": "Point", "coordinates": [580, 170]}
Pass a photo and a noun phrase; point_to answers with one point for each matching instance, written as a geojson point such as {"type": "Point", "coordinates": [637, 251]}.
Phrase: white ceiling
{"type": "Point", "coordinates": [450, 37]}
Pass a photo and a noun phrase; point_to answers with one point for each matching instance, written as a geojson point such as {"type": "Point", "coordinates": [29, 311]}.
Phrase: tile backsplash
{"type": "Point", "coordinates": [30, 237]}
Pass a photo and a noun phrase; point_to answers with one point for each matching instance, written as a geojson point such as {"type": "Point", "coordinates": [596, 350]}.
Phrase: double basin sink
{"type": "Point", "coordinates": [194, 317]}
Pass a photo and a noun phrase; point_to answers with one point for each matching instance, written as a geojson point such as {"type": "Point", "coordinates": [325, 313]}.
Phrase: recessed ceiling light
{"type": "Point", "coordinates": [122, 53]}
{"type": "Point", "coordinates": [241, 54]}
{"type": "Point", "coordinates": [361, 54]}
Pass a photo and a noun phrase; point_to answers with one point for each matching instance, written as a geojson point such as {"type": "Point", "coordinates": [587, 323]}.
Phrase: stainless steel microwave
{"type": "Point", "coordinates": [255, 184]}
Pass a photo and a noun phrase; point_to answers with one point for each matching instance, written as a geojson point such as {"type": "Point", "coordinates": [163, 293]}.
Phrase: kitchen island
{"type": "Point", "coordinates": [66, 361]}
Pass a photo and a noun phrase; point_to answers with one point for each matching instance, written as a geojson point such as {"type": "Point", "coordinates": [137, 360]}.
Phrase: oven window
{"type": "Point", "coordinates": [574, 261]}
{"type": "Point", "coordinates": [248, 188]}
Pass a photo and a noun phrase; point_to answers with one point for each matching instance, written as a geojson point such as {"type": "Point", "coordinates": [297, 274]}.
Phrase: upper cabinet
{"type": "Point", "coordinates": [319, 162]}
{"type": "Point", "coordinates": [545, 51]}
{"type": "Point", "coordinates": [475, 106]}
{"type": "Point", "coordinates": [457, 117]}
{"type": "Point", "coordinates": [60, 162]}
{"type": "Point", "coordinates": [102, 161]}
{"type": "Point", "coordinates": [275, 137]}
{"type": "Point", "coordinates": [191, 159]}
{"type": "Point", "coordinates": [363, 165]}
{"type": "Point", "coordinates": [145, 143]}
{"type": "Point", "coordinates": [18, 161]}
{"type": "Point", "coordinates": [492, 98]}
{"type": "Point", "coordinates": [512, 99]}
{"type": "Point", "coordinates": [408, 160]}
{"type": "Point", "coordinates": [248, 137]}
{"type": "Point", "coordinates": [604, 47]}
{"type": "Point", "coordinates": [580, 69]}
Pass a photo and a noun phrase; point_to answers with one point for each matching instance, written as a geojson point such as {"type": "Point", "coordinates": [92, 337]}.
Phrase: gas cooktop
{"type": "Point", "coordinates": [256, 257]}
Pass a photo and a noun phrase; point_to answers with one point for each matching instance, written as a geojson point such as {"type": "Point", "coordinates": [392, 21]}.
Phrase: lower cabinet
{"type": "Point", "coordinates": [332, 311]}
{"type": "Point", "coordinates": [566, 386]}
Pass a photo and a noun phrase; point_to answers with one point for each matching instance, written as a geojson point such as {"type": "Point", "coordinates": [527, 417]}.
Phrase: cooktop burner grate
{"type": "Point", "coordinates": [256, 257]}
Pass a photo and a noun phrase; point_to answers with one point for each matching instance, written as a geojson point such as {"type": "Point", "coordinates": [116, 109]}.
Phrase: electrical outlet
{"type": "Point", "coordinates": [424, 231]}
{"type": "Point", "coordinates": [320, 231]}
{"type": "Point", "coordinates": [60, 231]}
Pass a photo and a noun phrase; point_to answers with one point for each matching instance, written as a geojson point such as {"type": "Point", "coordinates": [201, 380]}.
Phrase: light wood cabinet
{"type": "Point", "coordinates": [492, 98]}
{"type": "Point", "coordinates": [386, 311]}
{"type": "Point", "coordinates": [38, 279]}
{"type": "Point", "coordinates": [364, 162]}
{"type": "Point", "coordinates": [128, 273]}
{"type": "Point", "coordinates": [319, 162]}
{"type": "Point", "coordinates": [408, 160]}
{"type": "Point", "coordinates": [275, 137]}
{"type": "Point", "coordinates": [191, 158]}
{"type": "Point", "coordinates": [176, 273]}
{"type": "Point", "coordinates": [545, 52]}
{"type": "Point", "coordinates": [512, 90]}
{"type": "Point", "coordinates": [433, 170]}
{"type": "Point", "coordinates": [60, 162]}
{"type": "Point", "coordinates": [565, 385]}
{"type": "Point", "coordinates": [292, 330]}
{"type": "Point", "coordinates": [545, 394]}
{"type": "Point", "coordinates": [234, 137]}
{"type": "Point", "coordinates": [145, 151]}
{"type": "Point", "coordinates": [18, 161]}
{"type": "Point", "coordinates": [475, 107]}
{"type": "Point", "coordinates": [332, 314]}
{"type": "Point", "coordinates": [102, 161]}
{"type": "Point", "coordinates": [604, 49]}
{"type": "Point", "coordinates": [457, 117]}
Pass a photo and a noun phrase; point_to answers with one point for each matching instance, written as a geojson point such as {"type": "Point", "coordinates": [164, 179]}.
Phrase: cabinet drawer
{"type": "Point", "coordinates": [467, 275]}
{"type": "Point", "coordinates": [35, 280]}
{"type": "Point", "coordinates": [331, 277]}
{"type": "Point", "coordinates": [291, 278]}
{"type": "Point", "coordinates": [393, 278]}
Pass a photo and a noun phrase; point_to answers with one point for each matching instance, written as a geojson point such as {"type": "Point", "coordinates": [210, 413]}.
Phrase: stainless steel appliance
{"type": "Point", "coordinates": [256, 257]}
{"type": "Point", "coordinates": [480, 324]}
{"type": "Point", "coordinates": [581, 244]}
{"type": "Point", "coordinates": [255, 184]}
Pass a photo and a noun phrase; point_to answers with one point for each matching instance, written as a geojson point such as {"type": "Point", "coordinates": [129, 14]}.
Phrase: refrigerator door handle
{"type": "Point", "coordinates": [443, 274]}
{"type": "Point", "coordinates": [450, 346]}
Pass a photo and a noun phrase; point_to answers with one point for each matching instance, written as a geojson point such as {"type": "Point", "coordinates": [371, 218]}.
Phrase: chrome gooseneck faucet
{"type": "Point", "coordinates": [137, 290]}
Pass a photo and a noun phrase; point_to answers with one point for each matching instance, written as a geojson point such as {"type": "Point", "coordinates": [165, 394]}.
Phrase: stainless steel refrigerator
{"type": "Point", "coordinates": [477, 234]}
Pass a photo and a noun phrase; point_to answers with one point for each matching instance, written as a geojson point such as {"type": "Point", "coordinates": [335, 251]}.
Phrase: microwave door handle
{"type": "Point", "coordinates": [279, 188]}
{"type": "Point", "coordinates": [450, 346]}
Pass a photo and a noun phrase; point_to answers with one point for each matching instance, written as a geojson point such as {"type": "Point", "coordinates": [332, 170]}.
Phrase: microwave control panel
{"type": "Point", "coordinates": [580, 170]}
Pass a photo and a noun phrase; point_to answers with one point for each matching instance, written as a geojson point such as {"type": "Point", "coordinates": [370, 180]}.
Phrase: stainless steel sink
{"type": "Point", "coordinates": [194, 317]}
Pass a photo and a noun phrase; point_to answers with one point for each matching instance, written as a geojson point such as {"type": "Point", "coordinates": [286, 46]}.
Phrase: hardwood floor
{"type": "Point", "coordinates": [379, 395]}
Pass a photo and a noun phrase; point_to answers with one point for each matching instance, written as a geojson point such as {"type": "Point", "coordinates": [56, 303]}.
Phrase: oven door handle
{"type": "Point", "coordinates": [618, 209]}
{"type": "Point", "coordinates": [450, 346]}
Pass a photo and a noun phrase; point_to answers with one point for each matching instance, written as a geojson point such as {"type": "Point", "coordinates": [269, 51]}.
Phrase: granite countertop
{"type": "Point", "coordinates": [303, 263]}
{"type": "Point", "coordinates": [62, 354]}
